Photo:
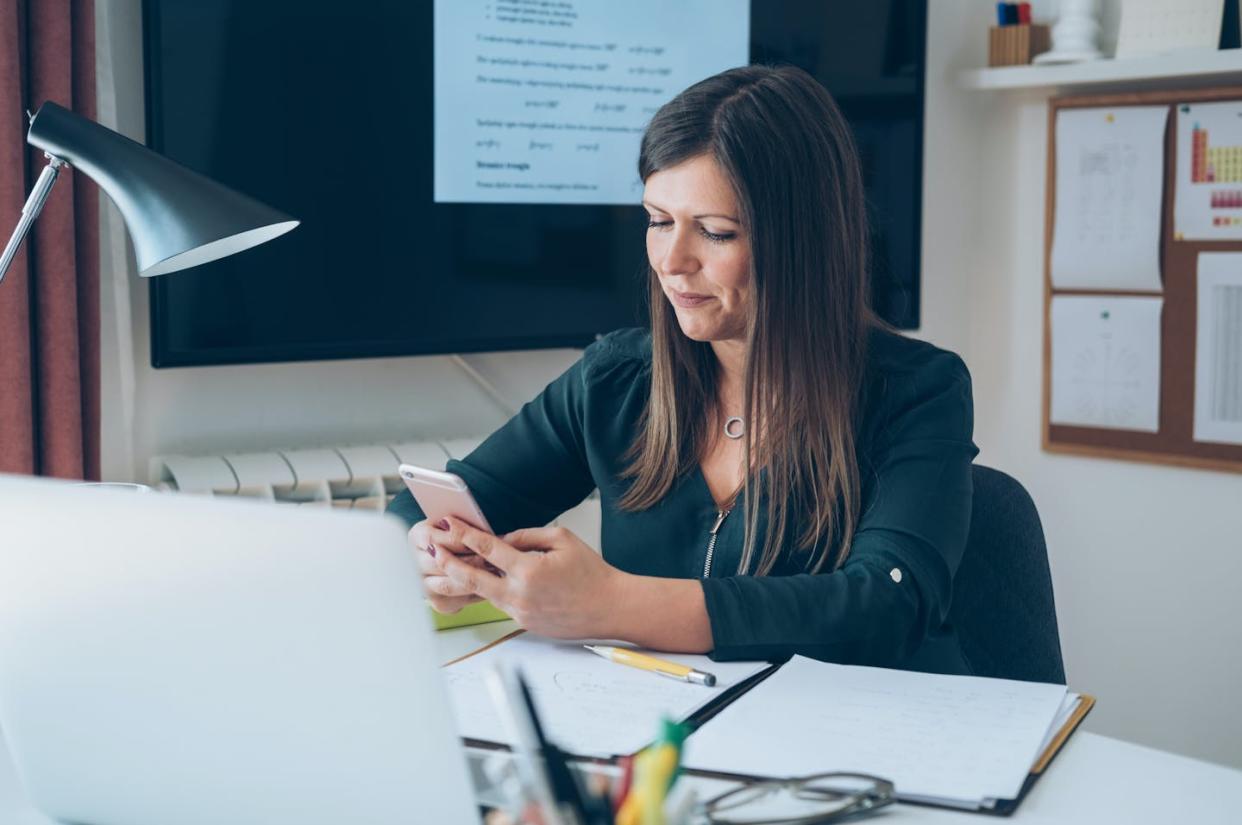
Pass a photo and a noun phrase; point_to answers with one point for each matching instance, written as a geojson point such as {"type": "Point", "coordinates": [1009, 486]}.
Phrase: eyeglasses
{"type": "Point", "coordinates": [824, 797]}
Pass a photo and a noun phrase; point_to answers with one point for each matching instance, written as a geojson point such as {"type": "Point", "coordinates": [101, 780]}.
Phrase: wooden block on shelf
{"type": "Point", "coordinates": [1017, 45]}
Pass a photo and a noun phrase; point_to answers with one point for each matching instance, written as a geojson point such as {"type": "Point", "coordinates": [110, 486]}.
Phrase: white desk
{"type": "Point", "coordinates": [1094, 780]}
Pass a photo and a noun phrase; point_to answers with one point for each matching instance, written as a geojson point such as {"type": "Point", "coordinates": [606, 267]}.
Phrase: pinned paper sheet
{"type": "Point", "coordinates": [1208, 199]}
{"type": "Point", "coordinates": [1218, 349]}
{"type": "Point", "coordinates": [1109, 186]}
{"type": "Point", "coordinates": [1106, 362]}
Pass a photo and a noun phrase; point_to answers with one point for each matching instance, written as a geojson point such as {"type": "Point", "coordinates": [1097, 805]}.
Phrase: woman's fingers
{"type": "Point", "coordinates": [475, 580]}
{"type": "Point", "coordinates": [420, 540]}
{"type": "Point", "coordinates": [442, 586]}
{"type": "Point", "coordinates": [444, 593]}
{"type": "Point", "coordinates": [460, 565]}
{"type": "Point", "coordinates": [418, 536]}
{"type": "Point", "coordinates": [450, 604]}
{"type": "Point", "coordinates": [498, 553]}
{"type": "Point", "coordinates": [427, 564]}
{"type": "Point", "coordinates": [424, 535]}
{"type": "Point", "coordinates": [537, 538]}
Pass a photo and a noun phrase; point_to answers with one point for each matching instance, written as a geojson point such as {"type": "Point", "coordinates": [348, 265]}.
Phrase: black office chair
{"type": "Point", "coordinates": [1003, 606]}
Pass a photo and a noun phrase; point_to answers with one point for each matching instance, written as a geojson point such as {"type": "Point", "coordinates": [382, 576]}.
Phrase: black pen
{"type": "Point", "coordinates": [570, 798]}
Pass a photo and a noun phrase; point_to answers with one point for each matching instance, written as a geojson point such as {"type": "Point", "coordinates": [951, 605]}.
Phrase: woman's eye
{"type": "Point", "coordinates": [714, 237]}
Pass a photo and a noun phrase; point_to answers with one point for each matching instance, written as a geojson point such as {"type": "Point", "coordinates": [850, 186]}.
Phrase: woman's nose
{"type": "Point", "coordinates": [679, 256]}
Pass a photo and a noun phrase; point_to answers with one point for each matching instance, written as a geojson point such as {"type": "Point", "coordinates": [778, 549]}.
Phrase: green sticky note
{"type": "Point", "coordinates": [477, 613]}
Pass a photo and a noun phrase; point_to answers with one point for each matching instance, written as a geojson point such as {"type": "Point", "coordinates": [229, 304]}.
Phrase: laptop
{"type": "Point", "coordinates": [169, 659]}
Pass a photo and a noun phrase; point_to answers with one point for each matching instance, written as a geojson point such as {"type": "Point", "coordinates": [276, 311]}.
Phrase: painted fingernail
{"type": "Point", "coordinates": [431, 548]}
{"type": "Point", "coordinates": [442, 524]}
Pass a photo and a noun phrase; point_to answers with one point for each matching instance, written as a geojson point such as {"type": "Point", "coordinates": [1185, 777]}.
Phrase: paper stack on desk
{"type": "Point", "coordinates": [959, 741]}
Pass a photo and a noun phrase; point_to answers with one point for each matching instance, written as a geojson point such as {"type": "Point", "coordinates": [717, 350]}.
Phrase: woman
{"type": "Point", "coordinates": [779, 474]}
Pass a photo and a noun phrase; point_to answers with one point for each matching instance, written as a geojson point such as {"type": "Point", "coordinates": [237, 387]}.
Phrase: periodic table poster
{"type": "Point", "coordinates": [1208, 198]}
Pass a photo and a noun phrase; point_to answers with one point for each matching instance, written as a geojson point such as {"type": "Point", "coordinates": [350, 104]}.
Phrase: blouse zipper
{"type": "Point", "coordinates": [711, 544]}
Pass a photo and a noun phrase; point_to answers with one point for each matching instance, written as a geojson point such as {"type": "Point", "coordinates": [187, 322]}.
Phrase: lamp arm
{"type": "Point", "coordinates": [34, 205]}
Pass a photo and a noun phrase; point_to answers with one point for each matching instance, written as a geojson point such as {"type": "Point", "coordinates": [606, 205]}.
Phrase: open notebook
{"type": "Point", "coordinates": [958, 741]}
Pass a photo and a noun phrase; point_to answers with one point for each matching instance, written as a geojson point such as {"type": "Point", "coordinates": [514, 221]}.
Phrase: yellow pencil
{"type": "Point", "coordinates": [633, 658]}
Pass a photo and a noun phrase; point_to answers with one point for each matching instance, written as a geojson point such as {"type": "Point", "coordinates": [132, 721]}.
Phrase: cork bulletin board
{"type": "Point", "coordinates": [1173, 442]}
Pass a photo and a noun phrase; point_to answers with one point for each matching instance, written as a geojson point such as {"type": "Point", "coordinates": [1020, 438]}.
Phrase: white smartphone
{"type": "Point", "coordinates": [441, 494]}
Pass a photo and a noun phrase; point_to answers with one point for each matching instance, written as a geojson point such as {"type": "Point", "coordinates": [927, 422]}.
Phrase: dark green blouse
{"type": "Point", "coordinates": [887, 605]}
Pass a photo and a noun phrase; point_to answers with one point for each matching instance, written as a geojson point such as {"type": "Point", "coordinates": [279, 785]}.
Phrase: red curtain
{"type": "Point", "coordinates": [49, 302]}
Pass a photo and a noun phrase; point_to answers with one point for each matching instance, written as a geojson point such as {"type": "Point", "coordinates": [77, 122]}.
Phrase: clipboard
{"type": "Point", "coordinates": [1006, 807]}
{"type": "Point", "coordinates": [1003, 807]}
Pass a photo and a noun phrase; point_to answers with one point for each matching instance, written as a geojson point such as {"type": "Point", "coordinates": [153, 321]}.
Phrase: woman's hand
{"type": "Point", "coordinates": [445, 595]}
{"type": "Point", "coordinates": [565, 591]}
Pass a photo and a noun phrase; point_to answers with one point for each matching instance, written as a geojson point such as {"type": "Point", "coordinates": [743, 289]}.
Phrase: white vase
{"type": "Point", "coordinates": [1075, 36]}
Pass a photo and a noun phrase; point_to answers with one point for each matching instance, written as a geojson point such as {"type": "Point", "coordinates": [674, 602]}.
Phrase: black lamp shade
{"type": "Point", "coordinates": [176, 217]}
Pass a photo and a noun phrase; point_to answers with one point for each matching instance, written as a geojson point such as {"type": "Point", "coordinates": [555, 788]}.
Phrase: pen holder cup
{"type": "Point", "coordinates": [1017, 45]}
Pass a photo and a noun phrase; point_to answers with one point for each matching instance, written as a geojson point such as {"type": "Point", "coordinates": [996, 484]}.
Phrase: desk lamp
{"type": "Point", "coordinates": [177, 218]}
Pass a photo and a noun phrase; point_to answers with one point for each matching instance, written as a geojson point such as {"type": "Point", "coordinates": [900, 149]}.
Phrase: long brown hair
{"type": "Point", "coordinates": [785, 147]}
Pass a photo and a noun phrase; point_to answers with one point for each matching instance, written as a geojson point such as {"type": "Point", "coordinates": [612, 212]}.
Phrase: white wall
{"type": "Point", "coordinates": [1144, 558]}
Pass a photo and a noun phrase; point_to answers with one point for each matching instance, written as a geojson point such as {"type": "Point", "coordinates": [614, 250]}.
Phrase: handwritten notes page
{"type": "Point", "coordinates": [1068, 706]}
{"type": "Point", "coordinates": [544, 101]}
{"type": "Point", "coordinates": [589, 705]}
{"type": "Point", "coordinates": [953, 740]}
{"type": "Point", "coordinates": [1110, 182]}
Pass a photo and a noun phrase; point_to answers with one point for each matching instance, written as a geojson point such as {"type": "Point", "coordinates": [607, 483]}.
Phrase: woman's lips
{"type": "Point", "coordinates": [689, 299]}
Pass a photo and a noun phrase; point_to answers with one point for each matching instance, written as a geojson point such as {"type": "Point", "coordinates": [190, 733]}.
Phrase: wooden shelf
{"type": "Point", "coordinates": [1143, 72]}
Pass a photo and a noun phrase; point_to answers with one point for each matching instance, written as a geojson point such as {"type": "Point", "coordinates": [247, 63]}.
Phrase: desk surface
{"type": "Point", "coordinates": [1094, 780]}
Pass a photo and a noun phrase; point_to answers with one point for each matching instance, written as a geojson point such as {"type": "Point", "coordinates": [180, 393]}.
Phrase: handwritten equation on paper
{"type": "Point", "coordinates": [589, 706]}
{"type": "Point", "coordinates": [545, 101]}
{"type": "Point", "coordinates": [1109, 189]}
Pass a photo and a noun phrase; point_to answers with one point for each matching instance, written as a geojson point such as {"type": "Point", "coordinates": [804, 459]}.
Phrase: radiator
{"type": "Point", "coordinates": [356, 477]}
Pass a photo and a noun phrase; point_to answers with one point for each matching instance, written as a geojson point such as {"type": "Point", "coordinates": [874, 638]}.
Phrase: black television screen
{"type": "Point", "coordinates": [327, 111]}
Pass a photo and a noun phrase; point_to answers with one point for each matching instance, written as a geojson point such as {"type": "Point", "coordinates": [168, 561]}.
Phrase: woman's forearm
{"type": "Point", "coordinates": [663, 614]}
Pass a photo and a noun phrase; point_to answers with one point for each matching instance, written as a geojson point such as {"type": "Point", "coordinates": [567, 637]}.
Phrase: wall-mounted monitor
{"type": "Point", "coordinates": [464, 170]}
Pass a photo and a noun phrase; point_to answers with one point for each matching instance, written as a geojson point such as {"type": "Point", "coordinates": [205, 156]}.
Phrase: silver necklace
{"type": "Point", "coordinates": [735, 427]}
